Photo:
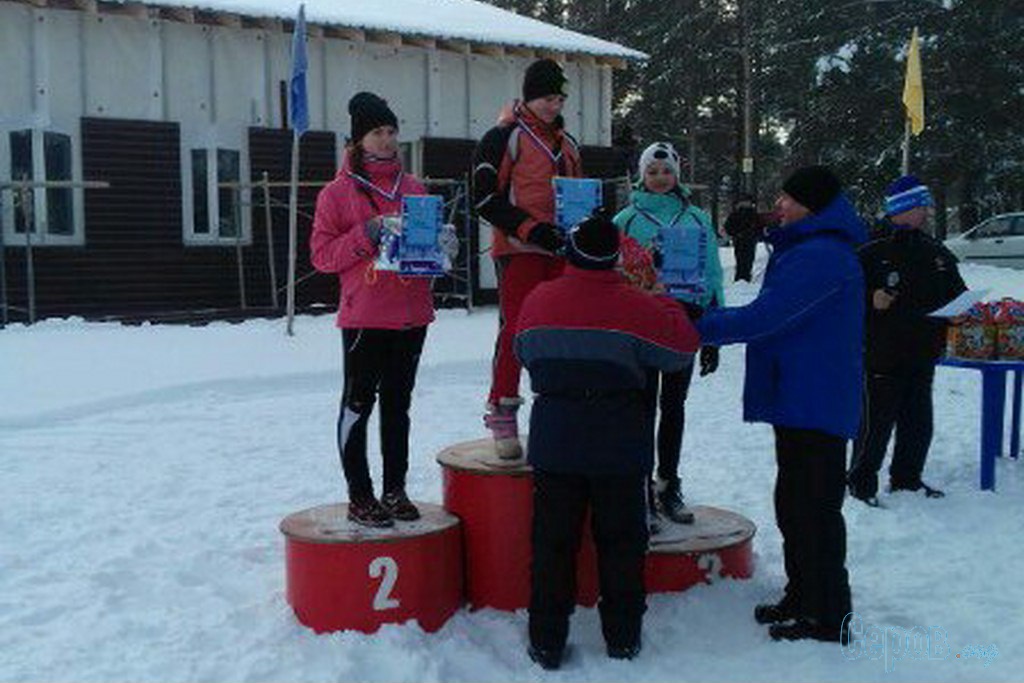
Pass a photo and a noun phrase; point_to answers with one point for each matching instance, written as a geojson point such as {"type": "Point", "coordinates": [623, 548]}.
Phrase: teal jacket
{"type": "Point", "coordinates": [664, 207]}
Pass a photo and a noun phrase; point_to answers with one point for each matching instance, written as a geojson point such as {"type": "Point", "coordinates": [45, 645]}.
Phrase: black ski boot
{"type": "Point", "coordinates": [670, 502]}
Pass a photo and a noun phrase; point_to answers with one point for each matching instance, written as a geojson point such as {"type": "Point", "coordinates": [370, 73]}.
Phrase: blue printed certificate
{"type": "Point", "coordinates": [575, 200]}
{"type": "Point", "coordinates": [419, 253]}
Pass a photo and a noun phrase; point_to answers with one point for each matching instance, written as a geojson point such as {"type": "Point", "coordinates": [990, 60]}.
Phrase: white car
{"type": "Point", "coordinates": [997, 241]}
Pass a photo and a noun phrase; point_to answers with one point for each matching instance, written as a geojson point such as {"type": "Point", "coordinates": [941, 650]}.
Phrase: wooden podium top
{"type": "Point", "coordinates": [712, 529]}
{"type": "Point", "coordinates": [479, 457]}
{"type": "Point", "coordinates": [330, 524]}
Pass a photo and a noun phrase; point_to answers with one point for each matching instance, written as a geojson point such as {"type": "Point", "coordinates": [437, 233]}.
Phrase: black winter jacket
{"type": "Point", "coordinates": [923, 275]}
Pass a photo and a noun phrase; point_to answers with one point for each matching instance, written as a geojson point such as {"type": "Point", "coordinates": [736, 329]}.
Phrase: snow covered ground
{"type": "Point", "coordinates": [144, 470]}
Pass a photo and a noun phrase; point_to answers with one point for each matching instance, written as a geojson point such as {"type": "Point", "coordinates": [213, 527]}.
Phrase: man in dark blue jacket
{"type": "Point", "coordinates": [804, 335]}
{"type": "Point", "coordinates": [588, 339]}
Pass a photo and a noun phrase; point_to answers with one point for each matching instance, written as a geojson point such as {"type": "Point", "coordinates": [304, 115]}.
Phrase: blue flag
{"type": "Point", "coordinates": [298, 102]}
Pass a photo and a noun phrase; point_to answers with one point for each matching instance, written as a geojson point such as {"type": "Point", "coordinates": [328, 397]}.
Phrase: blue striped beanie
{"type": "Point", "coordinates": [905, 194]}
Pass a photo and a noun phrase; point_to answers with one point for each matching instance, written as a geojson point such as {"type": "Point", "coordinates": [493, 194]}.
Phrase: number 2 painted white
{"type": "Point", "coordinates": [386, 569]}
{"type": "Point", "coordinates": [711, 565]}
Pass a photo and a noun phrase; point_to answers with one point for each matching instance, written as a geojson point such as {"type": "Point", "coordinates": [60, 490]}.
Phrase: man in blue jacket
{"type": "Point", "coordinates": [804, 335]}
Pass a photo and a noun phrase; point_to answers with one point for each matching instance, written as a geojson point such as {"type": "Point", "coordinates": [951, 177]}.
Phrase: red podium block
{"type": "Point", "coordinates": [719, 544]}
{"type": "Point", "coordinates": [344, 576]}
{"type": "Point", "coordinates": [494, 500]}
{"type": "Point", "coordinates": [495, 503]}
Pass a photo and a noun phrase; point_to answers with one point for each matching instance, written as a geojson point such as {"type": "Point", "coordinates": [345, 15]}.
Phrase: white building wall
{"type": "Point", "coordinates": [453, 96]}
{"type": "Point", "coordinates": [16, 57]}
{"type": "Point", "coordinates": [63, 64]}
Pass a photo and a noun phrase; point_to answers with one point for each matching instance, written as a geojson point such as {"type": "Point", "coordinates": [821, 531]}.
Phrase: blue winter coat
{"type": "Point", "coordinates": [805, 330]}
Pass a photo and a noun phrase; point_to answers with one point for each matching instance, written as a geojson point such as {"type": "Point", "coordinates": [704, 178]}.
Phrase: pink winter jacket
{"type": "Point", "coordinates": [369, 298]}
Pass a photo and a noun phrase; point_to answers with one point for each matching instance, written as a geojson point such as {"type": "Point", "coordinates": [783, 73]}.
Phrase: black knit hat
{"type": "Point", "coordinates": [369, 111]}
{"type": "Point", "coordinates": [594, 244]}
{"type": "Point", "coordinates": [544, 77]}
{"type": "Point", "coordinates": [814, 187]}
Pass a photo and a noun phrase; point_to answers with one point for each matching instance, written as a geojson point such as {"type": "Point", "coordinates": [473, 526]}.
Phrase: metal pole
{"type": "Point", "coordinates": [906, 148]}
{"type": "Point", "coordinates": [27, 202]}
{"type": "Point", "coordinates": [293, 199]}
{"type": "Point", "coordinates": [3, 269]}
{"type": "Point", "coordinates": [748, 151]}
{"type": "Point", "coordinates": [267, 218]}
{"type": "Point", "coordinates": [241, 267]}
{"type": "Point", "coordinates": [470, 254]}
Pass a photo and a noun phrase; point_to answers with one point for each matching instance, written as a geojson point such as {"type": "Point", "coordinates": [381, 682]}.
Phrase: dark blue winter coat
{"type": "Point", "coordinates": [588, 339]}
{"type": "Point", "coordinates": [805, 330]}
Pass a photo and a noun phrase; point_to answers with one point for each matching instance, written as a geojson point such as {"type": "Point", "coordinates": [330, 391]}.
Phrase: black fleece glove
{"type": "Point", "coordinates": [708, 360]}
{"type": "Point", "coordinates": [546, 236]}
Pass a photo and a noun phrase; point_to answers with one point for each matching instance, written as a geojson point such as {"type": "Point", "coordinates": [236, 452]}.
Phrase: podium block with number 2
{"type": "Point", "coordinates": [343, 576]}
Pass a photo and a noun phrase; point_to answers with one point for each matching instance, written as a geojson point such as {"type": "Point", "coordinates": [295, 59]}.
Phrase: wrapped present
{"type": "Point", "coordinates": [1009, 322]}
{"type": "Point", "coordinates": [637, 263]}
{"type": "Point", "coordinates": [974, 336]}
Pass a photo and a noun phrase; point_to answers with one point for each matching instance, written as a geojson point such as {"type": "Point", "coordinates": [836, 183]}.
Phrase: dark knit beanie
{"type": "Point", "coordinates": [594, 244]}
{"type": "Point", "coordinates": [544, 77]}
{"type": "Point", "coordinates": [814, 187]}
{"type": "Point", "coordinates": [369, 111]}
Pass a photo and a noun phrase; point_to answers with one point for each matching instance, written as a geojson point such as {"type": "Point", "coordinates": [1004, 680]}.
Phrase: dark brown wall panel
{"type": "Point", "coordinates": [134, 263]}
{"type": "Point", "coordinates": [270, 152]}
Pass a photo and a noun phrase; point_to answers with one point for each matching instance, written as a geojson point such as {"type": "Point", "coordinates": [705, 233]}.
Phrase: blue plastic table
{"type": "Point", "coordinates": [993, 409]}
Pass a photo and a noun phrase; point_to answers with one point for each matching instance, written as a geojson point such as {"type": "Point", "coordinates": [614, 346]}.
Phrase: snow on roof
{"type": "Point", "coordinates": [467, 20]}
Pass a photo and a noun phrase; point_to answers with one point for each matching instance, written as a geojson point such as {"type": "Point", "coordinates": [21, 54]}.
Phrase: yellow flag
{"type": "Point", "coordinates": [913, 87]}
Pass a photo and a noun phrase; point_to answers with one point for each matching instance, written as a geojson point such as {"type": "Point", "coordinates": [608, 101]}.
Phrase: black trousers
{"type": "Point", "coordinates": [618, 520]}
{"type": "Point", "coordinates": [744, 249]}
{"type": "Point", "coordinates": [380, 362]}
{"type": "Point", "coordinates": [904, 402]}
{"type": "Point", "coordinates": [809, 492]}
{"type": "Point", "coordinates": [666, 392]}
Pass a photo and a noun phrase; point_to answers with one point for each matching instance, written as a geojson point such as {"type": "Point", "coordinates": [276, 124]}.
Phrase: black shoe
{"type": "Point", "coordinates": [399, 506]}
{"type": "Point", "coordinates": [870, 501]}
{"type": "Point", "coordinates": [366, 511]}
{"type": "Point", "coordinates": [548, 659]}
{"type": "Point", "coordinates": [624, 651]}
{"type": "Point", "coordinates": [774, 613]}
{"type": "Point", "coordinates": [806, 629]}
{"type": "Point", "coordinates": [653, 520]}
{"type": "Point", "coordinates": [670, 502]}
{"type": "Point", "coordinates": [929, 492]}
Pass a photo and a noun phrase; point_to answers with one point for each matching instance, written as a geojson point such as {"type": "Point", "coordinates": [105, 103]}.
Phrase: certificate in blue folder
{"type": "Point", "coordinates": [419, 253]}
{"type": "Point", "coordinates": [575, 200]}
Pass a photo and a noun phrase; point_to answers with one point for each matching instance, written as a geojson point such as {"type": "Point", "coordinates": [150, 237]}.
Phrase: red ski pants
{"type": "Point", "coordinates": [518, 274]}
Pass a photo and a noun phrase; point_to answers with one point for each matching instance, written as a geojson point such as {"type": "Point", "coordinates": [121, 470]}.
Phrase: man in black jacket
{"type": "Point", "coordinates": [907, 274]}
{"type": "Point", "coordinates": [743, 226]}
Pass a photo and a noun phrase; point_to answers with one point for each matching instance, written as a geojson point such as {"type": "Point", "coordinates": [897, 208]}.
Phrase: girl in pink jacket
{"type": "Point", "coordinates": [383, 317]}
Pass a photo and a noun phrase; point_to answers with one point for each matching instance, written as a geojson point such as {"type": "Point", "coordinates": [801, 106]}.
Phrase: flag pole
{"type": "Point", "coordinates": [298, 119]}
{"type": "Point", "coordinates": [293, 207]}
{"type": "Point", "coordinates": [906, 148]}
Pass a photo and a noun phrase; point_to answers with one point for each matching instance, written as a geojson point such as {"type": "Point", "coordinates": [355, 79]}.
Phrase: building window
{"type": "Point", "coordinates": [229, 208]}
{"type": "Point", "coordinates": [216, 197]}
{"type": "Point", "coordinates": [47, 156]}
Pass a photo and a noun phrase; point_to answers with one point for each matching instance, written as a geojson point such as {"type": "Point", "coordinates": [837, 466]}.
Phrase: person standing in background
{"type": "Point", "coordinates": [907, 274]}
{"type": "Point", "coordinates": [744, 227]}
